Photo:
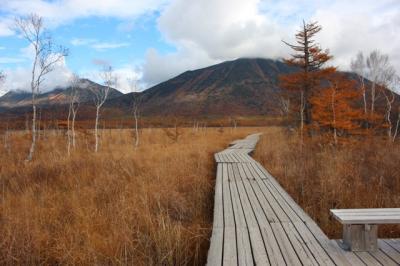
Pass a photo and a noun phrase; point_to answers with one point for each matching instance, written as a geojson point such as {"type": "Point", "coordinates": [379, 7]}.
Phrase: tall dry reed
{"type": "Point", "coordinates": [361, 173]}
{"type": "Point", "coordinates": [121, 206]}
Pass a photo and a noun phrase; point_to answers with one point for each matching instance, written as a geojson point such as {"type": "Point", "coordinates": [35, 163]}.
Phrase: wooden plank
{"type": "Point", "coordinates": [304, 254]}
{"type": "Point", "coordinates": [278, 196]}
{"type": "Point", "coordinates": [383, 258]}
{"type": "Point", "coordinates": [265, 205]}
{"type": "Point", "coordinates": [366, 210]}
{"type": "Point", "coordinates": [350, 257]}
{"type": "Point", "coordinates": [367, 216]}
{"type": "Point", "coordinates": [394, 243]}
{"type": "Point", "coordinates": [290, 201]}
{"type": "Point", "coordinates": [334, 252]}
{"type": "Point", "coordinates": [230, 248]}
{"type": "Point", "coordinates": [253, 218]}
{"type": "Point", "coordinates": [257, 243]}
{"type": "Point", "coordinates": [242, 235]}
{"type": "Point", "coordinates": [215, 251]}
{"type": "Point", "coordinates": [218, 220]}
{"type": "Point", "coordinates": [271, 246]}
{"type": "Point", "coordinates": [389, 251]}
{"type": "Point", "coordinates": [315, 247]}
{"type": "Point", "coordinates": [272, 201]}
{"type": "Point", "coordinates": [367, 258]}
{"type": "Point", "coordinates": [286, 247]}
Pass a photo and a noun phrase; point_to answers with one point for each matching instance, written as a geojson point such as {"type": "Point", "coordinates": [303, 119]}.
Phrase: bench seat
{"type": "Point", "coordinates": [360, 226]}
{"type": "Point", "coordinates": [367, 216]}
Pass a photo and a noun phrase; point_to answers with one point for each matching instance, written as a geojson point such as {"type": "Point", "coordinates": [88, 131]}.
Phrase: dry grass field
{"type": "Point", "coordinates": [146, 206]}
{"type": "Point", "coordinates": [363, 173]}
{"type": "Point", "coordinates": [153, 205]}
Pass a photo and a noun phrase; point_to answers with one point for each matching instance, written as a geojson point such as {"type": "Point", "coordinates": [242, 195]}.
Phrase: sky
{"type": "Point", "coordinates": [154, 40]}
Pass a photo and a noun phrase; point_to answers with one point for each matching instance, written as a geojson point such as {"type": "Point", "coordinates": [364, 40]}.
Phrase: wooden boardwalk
{"type": "Point", "coordinates": [257, 223]}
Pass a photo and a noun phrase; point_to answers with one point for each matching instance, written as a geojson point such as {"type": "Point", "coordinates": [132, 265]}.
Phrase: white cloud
{"type": "Point", "coordinates": [212, 31]}
{"type": "Point", "coordinates": [124, 74]}
{"type": "Point", "coordinates": [360, 26]}
{"type": "Point", "coordinates": [99, 46]}
{"type": "Point", "coordinates": [102, 46]}
{"type": "Point", "coordinates": [216, 30]}
{"type": "Point", "coordinates": [158, 68]}
{"type": "Point", "coordinates": [5, 26]}
{"type": "Point", "coordinates": [64, 11]}
{"type": "Point", "coordinates": [82, 41]}
{"type": "Point", "coordinates": [18, 78]}
{"type": "Point", "coordinates": [11, 60]}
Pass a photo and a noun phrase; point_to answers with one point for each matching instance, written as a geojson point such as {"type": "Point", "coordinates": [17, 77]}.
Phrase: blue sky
{"type": "Point", "coordinates": [155, 40]}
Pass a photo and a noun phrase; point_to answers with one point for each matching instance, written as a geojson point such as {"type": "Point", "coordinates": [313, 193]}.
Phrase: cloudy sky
{"type": "Point", "coordinates": [153, 40]}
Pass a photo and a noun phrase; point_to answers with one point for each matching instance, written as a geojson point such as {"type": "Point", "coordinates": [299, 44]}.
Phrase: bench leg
{"type": "Point", "coordinates": [360, 237]}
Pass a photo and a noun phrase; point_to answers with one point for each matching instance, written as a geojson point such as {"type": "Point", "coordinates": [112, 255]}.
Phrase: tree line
{"type": "Point", "coordinates": [319, 98]}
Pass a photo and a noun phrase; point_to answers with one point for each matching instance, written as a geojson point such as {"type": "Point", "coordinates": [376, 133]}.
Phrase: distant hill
{"type": "Point", "coordinates": [54, 98]}
{"type": "Point", "coordinates": [240, 87]}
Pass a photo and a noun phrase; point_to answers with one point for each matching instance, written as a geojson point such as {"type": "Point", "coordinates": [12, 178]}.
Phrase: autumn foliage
{"type": "Point", "coordinates": [335, 102]}
{"type": "Point", "coordinates": [309, 60]}
{"type": "Point", "coordinates": [335, 106]}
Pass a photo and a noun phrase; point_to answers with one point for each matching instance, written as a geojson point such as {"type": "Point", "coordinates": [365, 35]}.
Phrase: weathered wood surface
{"type": "Point", "coordinates": [256, 222]}
{"type": "Point", "coordinates": [367, 216]}
{"type": "Point", "coordinates": [360, 226]}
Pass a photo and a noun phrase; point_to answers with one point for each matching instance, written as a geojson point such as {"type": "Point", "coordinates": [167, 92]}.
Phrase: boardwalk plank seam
{"type": "Point", "coordinates": [256, 222]}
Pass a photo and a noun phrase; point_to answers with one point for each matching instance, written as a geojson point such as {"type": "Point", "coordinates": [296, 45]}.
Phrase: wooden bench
{"type": "Point", "coordinates": [360, 226]}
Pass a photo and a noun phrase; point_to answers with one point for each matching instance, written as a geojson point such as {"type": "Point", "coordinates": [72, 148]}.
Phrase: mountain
{"type": "Point", "coordinates": [56, 97]}
{"type": "Point", "coordinates": [241, 87]}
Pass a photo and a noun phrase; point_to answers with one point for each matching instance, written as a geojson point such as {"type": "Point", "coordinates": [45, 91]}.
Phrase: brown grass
{"type": "Point", "coordinates": [362, 174]}
{"type": "Point", "coordinates": [146, 206]}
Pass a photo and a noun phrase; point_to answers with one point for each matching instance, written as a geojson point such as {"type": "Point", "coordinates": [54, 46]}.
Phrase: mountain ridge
{"type": "Point", "coordinates": [57, 96]}
{"type": "Point", "coordinates": [244, 87]}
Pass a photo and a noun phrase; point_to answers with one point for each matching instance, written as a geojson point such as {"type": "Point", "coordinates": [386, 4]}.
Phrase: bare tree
{"type": "Point", "coordinates": [358, 66]}
{"type": "Point", "coordinates": [396, 129]}
{"type": "Point", "coordinates": [46, 56]}
{"type": "Point", "coordinates": [390, 97]}
{"type": "Point", "coordinates": [100, 97]}
{"type": "Point", "coordinates": [74, 102]}
{"type": "Point", "coordinates": [380, 72]}
{"type": "Point", "coordinates": [137, 98]}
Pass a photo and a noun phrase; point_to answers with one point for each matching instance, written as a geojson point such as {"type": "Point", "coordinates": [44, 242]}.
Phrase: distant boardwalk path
{"type": "Point", "coordinates": [257, 223]}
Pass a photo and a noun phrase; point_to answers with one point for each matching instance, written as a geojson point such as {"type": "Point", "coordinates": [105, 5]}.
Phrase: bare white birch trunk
{"type": "Point", "coordinates": [136, 129]}
{"type": "Point", "coordinates": [397, 128]}
{"type": "Point", "coordinates": [302, 107]}
{"type": "Point", "coordinates": [96, 125]}
{"type": "Point", "coordinates": [69, 131]}
{"type": "Point", "coordinates": [334, 117]}
{"type": "Point", "coordinates": [73, 128]}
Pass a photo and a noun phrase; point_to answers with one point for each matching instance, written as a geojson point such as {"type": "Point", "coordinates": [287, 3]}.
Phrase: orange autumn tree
{"type": "Point", "coordinates": [336, 106]}
{"type": "Point", "coordinates": [309, 61]}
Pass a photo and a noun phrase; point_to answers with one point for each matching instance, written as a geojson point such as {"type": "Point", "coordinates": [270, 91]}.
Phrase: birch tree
{"type": "Point", "coordinates": [358, 66]}
{"type": "Point", "coordinates": [334, 107]}
{"type": "Point", "coordinates": [74, 102]}
{"type": "Point", "coordinates": [395, 86]}
{"type": "Point", "coordinates": [379, 72]}
{"type": "Point", "coordinates": [46, 56]}
{"type": "Point", "coordinates": [100, 96]}
{"type": "Point", "coordinates": [396, 129]}
{"type": "Point", "coordinates": [137, 98]}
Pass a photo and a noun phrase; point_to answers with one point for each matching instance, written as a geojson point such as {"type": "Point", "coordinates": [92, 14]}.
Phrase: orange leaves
{"type": "Point", "coordinates": [335, 106]}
